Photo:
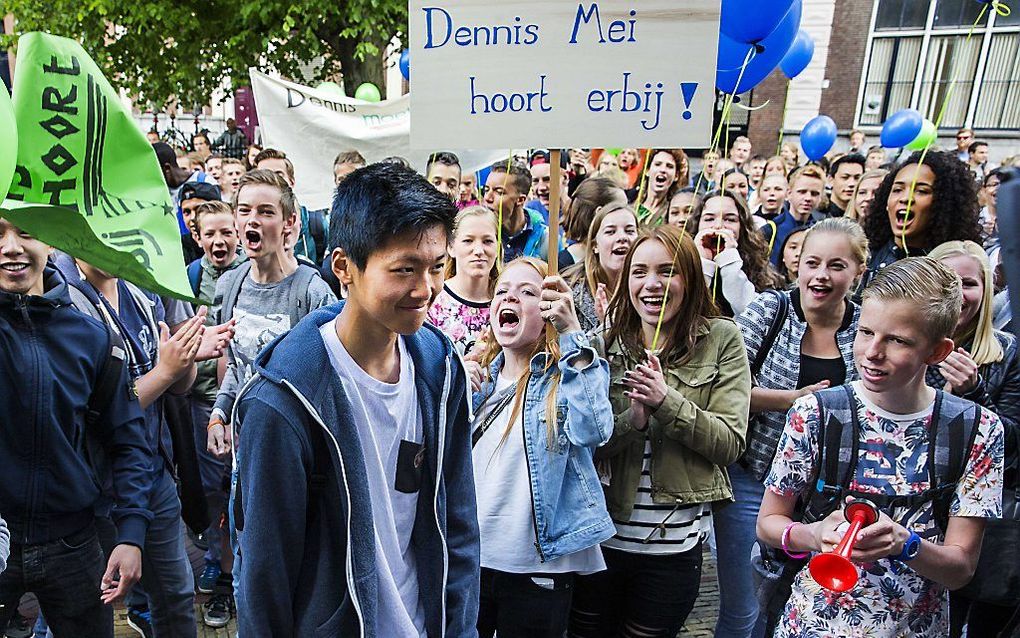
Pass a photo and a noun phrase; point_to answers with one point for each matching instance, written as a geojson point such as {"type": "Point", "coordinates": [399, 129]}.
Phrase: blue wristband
{"type": "Point", "coordinates": [911, 548]}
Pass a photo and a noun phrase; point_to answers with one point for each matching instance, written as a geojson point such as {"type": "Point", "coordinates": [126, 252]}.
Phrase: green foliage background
{"type": "Point", "coordinates": [159, 50]}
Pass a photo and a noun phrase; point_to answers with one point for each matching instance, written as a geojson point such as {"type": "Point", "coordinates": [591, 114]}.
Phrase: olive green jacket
{"type": "Point", "coordinates": [700, 428]}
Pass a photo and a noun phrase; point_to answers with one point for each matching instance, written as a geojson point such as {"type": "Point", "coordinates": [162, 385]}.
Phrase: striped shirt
{"type": "Point", "coordinates": [781, 368]}
{"type": "Point", "coordinates": [656, 528]}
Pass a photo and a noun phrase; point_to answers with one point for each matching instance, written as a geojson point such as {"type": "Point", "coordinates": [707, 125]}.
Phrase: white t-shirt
{"type": "Point", "coordinates": [505, 513]}
{"type": "Point", "coordinates": [385, 414]}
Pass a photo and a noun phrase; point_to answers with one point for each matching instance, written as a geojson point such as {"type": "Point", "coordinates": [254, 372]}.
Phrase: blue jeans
{"type": "Point", "coordinates": [64, 575]}
{"type": "Point", "coordinates": [735, 535]}
{"type": "Point", "coordinates": [212, 471]}
{"type": "Point", "coordinates": [235, 543]}
{"type": "Point", "coordinates": [167, 585]}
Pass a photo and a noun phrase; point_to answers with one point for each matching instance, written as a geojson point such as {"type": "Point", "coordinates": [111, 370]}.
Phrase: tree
{"type": "Point", "coordinates": [184, 50]}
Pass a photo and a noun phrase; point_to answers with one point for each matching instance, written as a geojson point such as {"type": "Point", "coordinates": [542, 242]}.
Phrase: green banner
{"type": "Point", "coordinates": [8, 141]}
{"type": "Point", "coordinates": [81, 155]}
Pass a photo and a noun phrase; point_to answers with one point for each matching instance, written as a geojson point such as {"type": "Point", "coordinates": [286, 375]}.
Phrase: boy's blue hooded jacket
{"type": "Point", "coordinates": [309, 569]}
{"type": "Point", "coordinates": [50, 361]}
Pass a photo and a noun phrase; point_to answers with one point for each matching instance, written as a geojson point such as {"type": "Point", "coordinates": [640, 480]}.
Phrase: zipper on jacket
{"type": "Point", "coordinates": [343, 474]}
{"type": "Point", "coordinates": [527, 463]}
{"type": "Point", "coordinates": [441, 444]}
{"type": "Point", "coordinates": [36, 425]}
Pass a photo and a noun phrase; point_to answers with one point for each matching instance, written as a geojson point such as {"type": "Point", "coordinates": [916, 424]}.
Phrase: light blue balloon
{"type": "Point", "coordinates": [902, 128]}
{"type": "Point", "coordinates": [817, 137]}
{"type": "Point", "coordinates": [799, 56]}
{"type": "Point", "coordinates": [771, 50]}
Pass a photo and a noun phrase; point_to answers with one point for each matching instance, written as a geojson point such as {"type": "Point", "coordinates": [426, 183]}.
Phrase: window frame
{"type": "Point", "coordinates": [982, 33]}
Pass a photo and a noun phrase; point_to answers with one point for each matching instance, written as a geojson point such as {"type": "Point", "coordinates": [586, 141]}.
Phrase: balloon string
{"type": "Point", "coordinates": [938, 123]}
{"type": "Point", "coordinates": [782, 122]}
{"type": "Point", "coordinates": [499, 223]}
{"type": "Point", "coordinates": [715, 146]}
{"type": "Point", "coordinates": [644, 176]}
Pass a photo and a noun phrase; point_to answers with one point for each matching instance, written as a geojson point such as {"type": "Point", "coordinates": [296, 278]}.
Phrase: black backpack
{"type": "Point", "coordinates": [954, 424]}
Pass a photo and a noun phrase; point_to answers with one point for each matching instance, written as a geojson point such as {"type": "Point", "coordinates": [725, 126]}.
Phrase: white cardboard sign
{"type": "Point", "coordinates": [561, 73]}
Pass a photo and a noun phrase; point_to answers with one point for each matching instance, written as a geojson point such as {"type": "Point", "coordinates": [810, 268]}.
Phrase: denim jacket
{"type": "Point", "coordinates": [569, 507]}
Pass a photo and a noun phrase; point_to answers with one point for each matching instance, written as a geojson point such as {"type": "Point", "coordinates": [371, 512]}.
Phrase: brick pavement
{"type": "Point", "coordinates": [700, 624]}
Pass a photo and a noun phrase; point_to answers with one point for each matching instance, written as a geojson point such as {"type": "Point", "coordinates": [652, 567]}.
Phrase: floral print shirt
{"type": "Point", "coordinates": [459, 319]}
{"type": "Point", "coordinates": [890, 600]}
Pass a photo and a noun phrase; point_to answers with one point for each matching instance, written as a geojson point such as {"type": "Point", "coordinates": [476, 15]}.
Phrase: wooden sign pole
{"type": "Point", "coordinates": [554, 212]}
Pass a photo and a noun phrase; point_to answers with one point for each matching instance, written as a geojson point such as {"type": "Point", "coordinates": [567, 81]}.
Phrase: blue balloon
{"type": "Point", "coordinates": [817, 137]}
{"type": "Point", "coordinates": [405, 64]}
{"type": "Point", "coordinates": [751, 21]}
{"type": "Point", "coordinates": [902, 128]}
{"type": "Point", "coordinates": [799, 55]}
{"type": "Point", "coordinates": [770, 51]}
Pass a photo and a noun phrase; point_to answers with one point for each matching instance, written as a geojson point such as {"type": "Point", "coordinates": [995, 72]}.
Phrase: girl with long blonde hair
{"type": "Point", "coordinates": [541, 410]}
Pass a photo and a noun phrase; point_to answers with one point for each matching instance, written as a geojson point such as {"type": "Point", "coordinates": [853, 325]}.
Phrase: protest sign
{"type": "Point", "coordinates": [87, 179]}
{"type": "Point", "coordinates": [312, 126]}
{"type": "Point", "coordinates": [528, 74]}
{"type": "Point", "coordinates": [9, 139]}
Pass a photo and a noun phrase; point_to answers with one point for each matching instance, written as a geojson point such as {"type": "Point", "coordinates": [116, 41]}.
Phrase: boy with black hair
{"type": "Point", "coordinates": [49, 491]}
{"type": "Point", "coordinates": [525, 234]}
{"type": "Point", "coordinates": [843, 175]}
{"type": "Point", "coordinates": [356, 482]}
{"type": "Point", "coordinates": [443, 171]}
{"type": "Point", "coordinates": [193, 195]}
{"type": "Point", "coordinates": [977, 159]}
{"type": "Point", "coordinates": [932, 463]}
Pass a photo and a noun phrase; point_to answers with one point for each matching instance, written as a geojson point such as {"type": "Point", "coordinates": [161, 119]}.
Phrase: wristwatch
{"type": "Point", "coordinates": [911, 548]}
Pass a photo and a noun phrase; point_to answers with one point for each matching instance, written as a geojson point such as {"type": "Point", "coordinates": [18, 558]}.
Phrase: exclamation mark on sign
{"type": "Point", "coordinates": [688, 89]}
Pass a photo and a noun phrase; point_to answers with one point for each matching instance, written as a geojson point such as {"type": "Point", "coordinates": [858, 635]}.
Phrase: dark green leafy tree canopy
{"type": "Point", "coordinates": [164, 50]}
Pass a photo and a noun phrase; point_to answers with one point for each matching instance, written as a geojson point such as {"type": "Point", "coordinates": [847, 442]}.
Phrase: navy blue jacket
{"type": "Point", "coordinates": [309, 568]}
{"type": "Point", "coordinates": [50, 358]}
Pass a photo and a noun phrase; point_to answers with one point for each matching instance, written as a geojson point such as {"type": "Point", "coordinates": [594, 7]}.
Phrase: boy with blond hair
{"type": "Point", "coordinates": [930, 462]}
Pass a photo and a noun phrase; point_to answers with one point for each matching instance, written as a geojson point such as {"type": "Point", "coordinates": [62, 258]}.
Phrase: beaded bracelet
{"type": "Point", "coordinates": [786, 541]}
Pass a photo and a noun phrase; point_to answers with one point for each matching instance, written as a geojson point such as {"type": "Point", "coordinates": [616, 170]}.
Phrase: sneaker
{"type": "Point", "coordinates": [140, 619]}
{"type": "Point", "coordinates": [218, 611]}
{"type": "Point", "coordinates": [19, 627]}
{"type": "Point", "coordinates": [207, 581]}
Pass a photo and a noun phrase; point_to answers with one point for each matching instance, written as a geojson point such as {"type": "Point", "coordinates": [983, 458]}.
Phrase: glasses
{"type": "Point", "coordinates": [963, 137]}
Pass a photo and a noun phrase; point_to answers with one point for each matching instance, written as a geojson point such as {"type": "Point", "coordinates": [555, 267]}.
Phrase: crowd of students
{"type": "Point", "coordinates": [395, 420]}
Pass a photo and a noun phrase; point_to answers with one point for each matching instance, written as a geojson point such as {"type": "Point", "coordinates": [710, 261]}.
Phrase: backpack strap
{"type": "Point", "coordinates": [774, 328]}
{"type": "Point", "coordinates": [108, 379]}
{"type": "Point", "coordinates": [235, 279]}
{"type": "Point", "coordinates": [195, 275]}
{"type": "Point", "coordinates": [954, 428]}
{"type": "Point", "coordinates": [317, 227]}
{"type": "Point", "coordinates": [837, 459]}
{"type": "Point", "coordinates": [299, 302]}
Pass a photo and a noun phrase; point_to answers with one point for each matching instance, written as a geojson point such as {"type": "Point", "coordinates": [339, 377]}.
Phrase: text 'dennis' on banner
{"type": "Point", "coordinates": [312, 126]}
{"type": "Point", "coordinates": [524, 73]}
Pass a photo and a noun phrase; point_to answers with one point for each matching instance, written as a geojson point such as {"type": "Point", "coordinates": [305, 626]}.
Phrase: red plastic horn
{"type": "Point", "coordinates": [833, 570]}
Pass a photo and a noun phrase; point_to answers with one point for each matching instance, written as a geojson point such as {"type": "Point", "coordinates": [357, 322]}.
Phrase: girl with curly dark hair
{"type": "Point", "coordinates": [734, 255]}
{"type": "Point", "coordinates": [944, 208]}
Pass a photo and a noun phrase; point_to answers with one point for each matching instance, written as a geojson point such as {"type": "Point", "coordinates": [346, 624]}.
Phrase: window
{"type": "Point", "coordinates": [919, 49]}
{"type": "Point", "coordinates": [901, 14]}
{"type": "Point", "coordinates": [951, 59]}
{"type": "Point", "coordinates": [890, 78]}
{"type": "Point", "coordinates": [955, 13]}
{"type": "Point", "coordinates": [999, 101]}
